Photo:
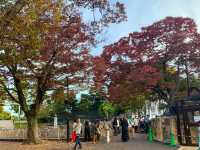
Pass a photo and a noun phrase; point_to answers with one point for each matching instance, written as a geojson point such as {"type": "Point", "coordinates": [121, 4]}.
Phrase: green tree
{"type": "Point", "coordinates": [107, 109]}
{"type": "Point", "coordinates": [4, 115]}
{"type": "Point", "coordinates": [91, 101]}
{"type": "Point", "coordinates": [86, 103]}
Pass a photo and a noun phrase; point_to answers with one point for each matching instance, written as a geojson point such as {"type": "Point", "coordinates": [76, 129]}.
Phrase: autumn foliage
{"type": "Point", "coordinates": [44, 42]}
{"type": "Point", "coordinates": [151, 60]}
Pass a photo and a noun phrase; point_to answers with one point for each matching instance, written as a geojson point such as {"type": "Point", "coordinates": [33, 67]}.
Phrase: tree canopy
{"type": "Point", "coordinates": [154, 59]}
{"type": "Point", "coordinates": [44, 42]}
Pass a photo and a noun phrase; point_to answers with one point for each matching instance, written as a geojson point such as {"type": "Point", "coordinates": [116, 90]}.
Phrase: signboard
{"type": "Point", "coordinates": [196, 118]}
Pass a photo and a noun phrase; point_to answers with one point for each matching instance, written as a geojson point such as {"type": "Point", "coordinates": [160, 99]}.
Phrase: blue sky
{"type": "Point", "coordinates": [144, 12]}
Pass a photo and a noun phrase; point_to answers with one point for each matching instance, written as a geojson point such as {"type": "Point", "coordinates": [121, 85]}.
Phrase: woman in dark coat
{"type": "Point", "coordinates": [87, 131]}
{"type": "Point", "coordinates": [124, 124]}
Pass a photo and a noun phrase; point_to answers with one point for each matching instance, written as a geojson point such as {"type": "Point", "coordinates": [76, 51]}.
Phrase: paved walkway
{"type": "Point", "coordinates": [188, 148]}
{"type": "Point", "coordinates": [138, 143]}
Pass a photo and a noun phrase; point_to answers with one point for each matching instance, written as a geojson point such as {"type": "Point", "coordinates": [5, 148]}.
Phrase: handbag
{"type": "Point", "coordinates": [73, 136]}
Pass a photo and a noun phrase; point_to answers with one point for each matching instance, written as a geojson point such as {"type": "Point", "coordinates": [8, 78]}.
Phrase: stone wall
{"type": "Point", "coordinates": [6, 124]}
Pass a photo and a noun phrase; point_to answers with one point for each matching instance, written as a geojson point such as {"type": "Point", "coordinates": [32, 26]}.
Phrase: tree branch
{"type": "Point", "coordinates": [17, 83]}
{"type": "Point", "coordinates": [8, 92]}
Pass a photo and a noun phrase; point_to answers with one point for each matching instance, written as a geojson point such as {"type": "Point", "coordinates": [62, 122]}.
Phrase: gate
{"type": "Point", "coordinates": [188, 113]}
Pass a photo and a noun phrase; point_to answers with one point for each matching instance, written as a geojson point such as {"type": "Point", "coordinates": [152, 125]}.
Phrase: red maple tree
{"type": "Point", "coordinates": [174, 41]}
{"type": "Point", "coordinates": [142, 61]}
{"type": "Point", "coordinates": [125, 70]}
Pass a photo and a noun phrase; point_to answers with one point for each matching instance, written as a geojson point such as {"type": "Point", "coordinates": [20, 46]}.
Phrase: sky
{"type": "Point", "coordinates": [145, 12]}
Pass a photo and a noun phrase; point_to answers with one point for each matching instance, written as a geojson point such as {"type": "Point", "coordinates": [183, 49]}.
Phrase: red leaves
{"type": "Point", "coordinates": [131, 65]}
{"type": "Point", "coordinates": [124, 70]}
{"type": "Point", "coordinates": [99, 71]}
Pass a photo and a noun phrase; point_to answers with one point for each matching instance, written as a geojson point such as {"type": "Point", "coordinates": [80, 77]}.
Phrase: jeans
{"type": "Point", "coordinates": [78, 142]}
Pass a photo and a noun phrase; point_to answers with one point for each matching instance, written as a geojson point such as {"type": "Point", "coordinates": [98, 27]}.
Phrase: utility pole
{"type": "Point", "coordinates": [68, 130]}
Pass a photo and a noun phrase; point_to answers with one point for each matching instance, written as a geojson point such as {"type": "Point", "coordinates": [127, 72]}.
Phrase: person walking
{"type": "Point", "coordinates": [130, 126]}
{"type": "Point", "coordinates": [114, 124]}
{"type": "Point", "coordinates": [96, 131]}
{"type": "Point", "coordinates": [136, 124]}
{"type": "Point", "coordinates": [125, 135]}
{"type": "Point", "coordinates": [99, 127]}
{"type": "Point", "coordinates": [78, 128]}
{"type": "Point", "coordinates": [118, 126]}
{"type": "Point", "coordinates": [73, 136]}
{"type": "Point", "coordinates": [147, 121]}
{"type": "Point", "coordinates": [87, 131]}
{"type": "Point", "coordinates": [107, 130]}
{"type": "Point", "coordinates": [131, 123]}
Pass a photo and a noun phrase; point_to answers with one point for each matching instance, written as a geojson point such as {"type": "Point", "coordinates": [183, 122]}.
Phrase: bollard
{"type": "Point", "coordinates": [150, 136]}
{"type": "Point", "coordinates": [172, 139]}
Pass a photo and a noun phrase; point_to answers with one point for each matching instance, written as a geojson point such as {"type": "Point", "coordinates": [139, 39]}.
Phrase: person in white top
{"type": "Point", "coordinates": [136, 123]}
{"type": "Point", "coordinates": [131, 127]}
{"type": "Point", "coordinates": [78, 128]}
{"type": "Point", "coordinates": [118, 126]}
{"type": "Point", "coordinates": [74, 131]}
{"type": "Point", "coordinates": [107, 128]}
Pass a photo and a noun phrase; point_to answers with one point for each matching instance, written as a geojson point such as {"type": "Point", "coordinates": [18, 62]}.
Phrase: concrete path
{"type": "Point", "coordinates": [138, 143]}
{"type": "Point", "coordinates": [188, 148]}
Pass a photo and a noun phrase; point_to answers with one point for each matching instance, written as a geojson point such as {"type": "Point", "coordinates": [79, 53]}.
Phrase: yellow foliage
{"type": "Point", "coordinates": [58, 95]}
{"type": "Point", "coordinates": [171, 70]}
{"type": "Point", "coordinates": [28, 28]}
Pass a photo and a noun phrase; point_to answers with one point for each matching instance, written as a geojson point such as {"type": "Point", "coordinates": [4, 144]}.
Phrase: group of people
{"type": "Point", "coordinates": [129, 126]}
{"type": "Point", "coordinates": [104, 128]}
{"type": "Point", "coordinates": [92, 131]}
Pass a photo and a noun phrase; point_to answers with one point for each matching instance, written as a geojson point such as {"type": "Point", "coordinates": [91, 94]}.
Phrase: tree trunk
{"type": "Point", "coordinates": [32, 130]}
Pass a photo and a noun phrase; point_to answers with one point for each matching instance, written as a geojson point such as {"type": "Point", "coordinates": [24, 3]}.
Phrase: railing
{"type": "Point", "coordinates": [47, 132]}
